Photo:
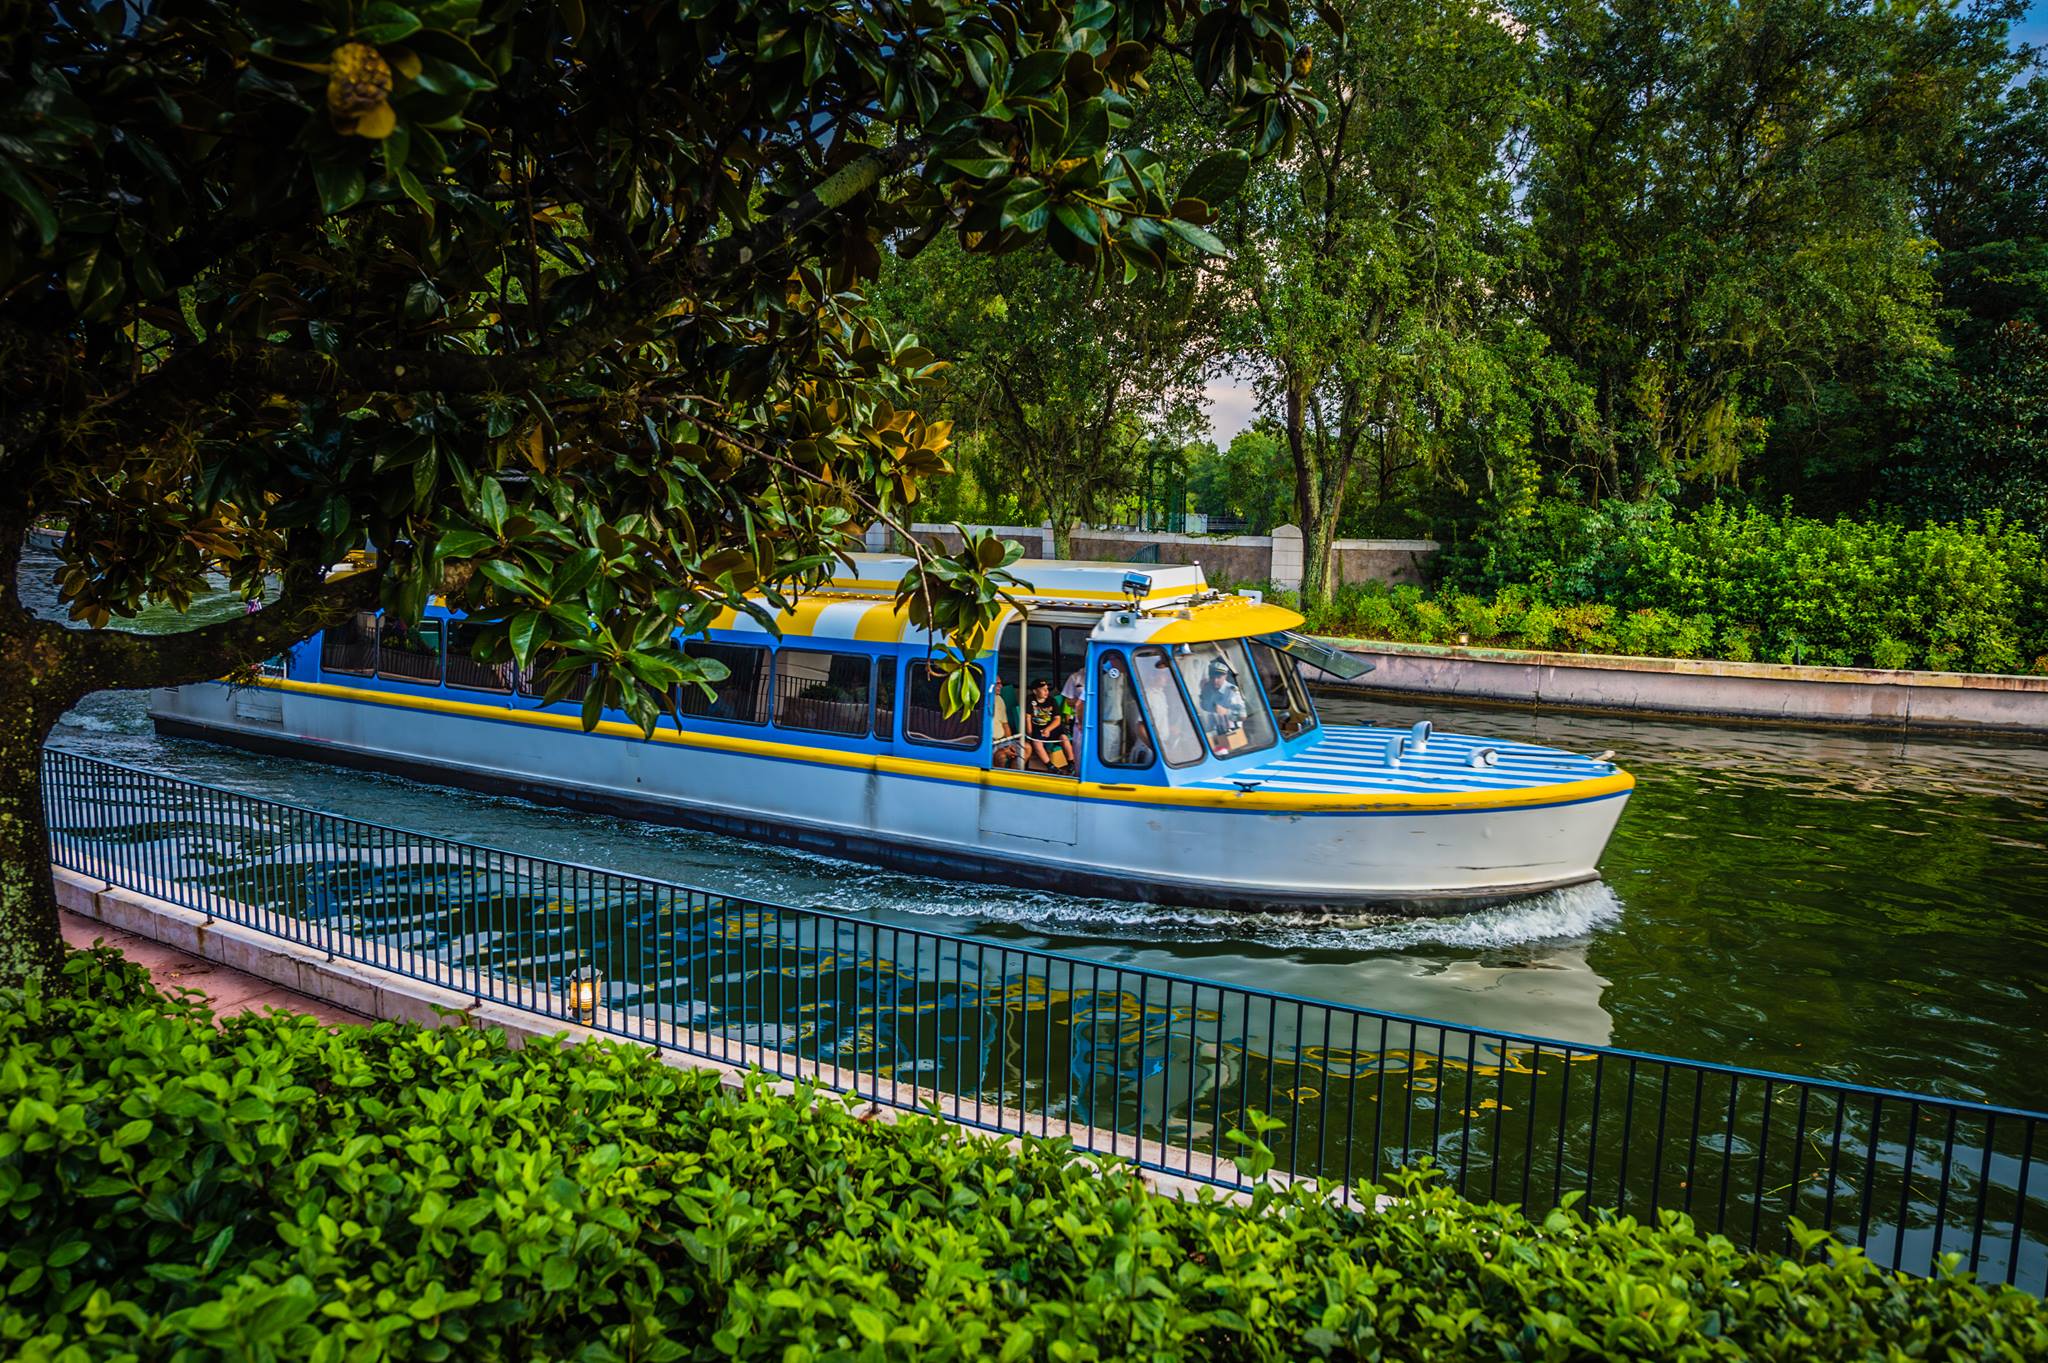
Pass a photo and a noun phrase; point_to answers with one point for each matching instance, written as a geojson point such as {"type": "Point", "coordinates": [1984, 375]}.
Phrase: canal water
{"type": "Point", "coordinates": [1864, 908]}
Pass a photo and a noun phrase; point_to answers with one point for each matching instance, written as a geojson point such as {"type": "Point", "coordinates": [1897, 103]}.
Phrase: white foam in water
{"type": "Point", "coordinates": [1575, 911]}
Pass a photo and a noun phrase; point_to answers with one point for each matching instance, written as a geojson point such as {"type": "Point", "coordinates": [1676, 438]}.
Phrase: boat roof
{"type": "Point", "coordinates": [1085, 582]}
{"type": "Point", "coordinates": [1175, 608]}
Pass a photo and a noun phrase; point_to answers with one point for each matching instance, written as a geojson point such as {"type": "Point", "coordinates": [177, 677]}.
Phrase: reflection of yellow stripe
{"type": "Point", "coordinates": [1264, 802]}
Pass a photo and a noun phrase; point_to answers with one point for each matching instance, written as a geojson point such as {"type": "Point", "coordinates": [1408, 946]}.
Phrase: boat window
{"type": "Point", "coordinates": [885, 698]}
{"type": "Point", "coordinates": [351, 647]}
{"type": "Point", "coordinates": [924, 712]}
{"type": "Point", "coordinates": [409, 652]}
{"type": "Point", "coordinates": [1179, 738]}
{"type": "Point", "coordinates": [1121, 736]}
{"type": "Point", "coordinates": [742, 696]}
{"type": "Point", "coordinates": [1233, 713]}
{"type": "Point", "coordinates": [465, 671]}
{"type": "Point", "coordinates": [826, 693]}
{"type": "Point", "coordinates": [536, 682]}
{"type": "Point", "coordinates": [1284, 691]}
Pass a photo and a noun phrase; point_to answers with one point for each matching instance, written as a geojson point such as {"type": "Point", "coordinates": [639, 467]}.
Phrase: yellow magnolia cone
{"type": "Point", "coordinates": [359, 92]}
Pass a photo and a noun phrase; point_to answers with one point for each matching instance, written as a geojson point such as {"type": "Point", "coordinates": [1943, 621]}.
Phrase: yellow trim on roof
{"type": "Point", "coordinates": [1234, 617]}
{"type": "Point", "coordinates": [1274, 802]}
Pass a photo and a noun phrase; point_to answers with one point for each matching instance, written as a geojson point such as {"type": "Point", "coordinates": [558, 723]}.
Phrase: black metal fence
{"type": "Point", "coordinates": [1155, 1068]}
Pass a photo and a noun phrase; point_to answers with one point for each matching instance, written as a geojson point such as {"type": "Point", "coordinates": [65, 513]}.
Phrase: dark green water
{"type": "Point", "coordinates": [1862, 908]}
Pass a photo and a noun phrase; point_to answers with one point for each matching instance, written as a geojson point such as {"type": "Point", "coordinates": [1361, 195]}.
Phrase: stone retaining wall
{"type": "Point", "coordinates": [1845, 697]}
{"type": "Point", "coordinates": [1274, 558]}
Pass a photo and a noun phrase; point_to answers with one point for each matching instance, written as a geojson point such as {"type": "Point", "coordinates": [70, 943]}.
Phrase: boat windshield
{"type": "Point", "coordinates": [1219, 679]}
{"type": "Point", "coordinates": [1284, 691]}
{"type": "Point", "coordinates": [1179, 739]}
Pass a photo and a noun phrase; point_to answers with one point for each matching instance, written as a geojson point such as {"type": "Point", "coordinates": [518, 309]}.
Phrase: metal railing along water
{"type": "Point", "coordinates": [1151, 1067]}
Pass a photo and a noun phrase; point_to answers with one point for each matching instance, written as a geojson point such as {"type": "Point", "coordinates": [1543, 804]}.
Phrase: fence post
{"type": "Point", "coordinates": [1287, 559]}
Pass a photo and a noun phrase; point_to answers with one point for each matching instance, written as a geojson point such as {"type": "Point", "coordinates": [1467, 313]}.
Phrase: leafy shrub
{"type": "Point", "coordinates": [1971, 595]}
{"type": "Point", "coordinates": [270, 1189]}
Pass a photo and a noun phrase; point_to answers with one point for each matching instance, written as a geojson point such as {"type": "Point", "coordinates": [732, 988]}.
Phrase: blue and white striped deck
{"type": "Point", "coordinates": [1353, 759]}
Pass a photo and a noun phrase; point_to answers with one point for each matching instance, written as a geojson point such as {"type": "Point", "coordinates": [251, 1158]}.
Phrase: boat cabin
{"type": "Point", "coordinates": [1099, 672]}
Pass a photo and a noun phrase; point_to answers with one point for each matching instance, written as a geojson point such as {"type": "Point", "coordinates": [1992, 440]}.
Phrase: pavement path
{"type": "Point", "coordinates": [228, 991]}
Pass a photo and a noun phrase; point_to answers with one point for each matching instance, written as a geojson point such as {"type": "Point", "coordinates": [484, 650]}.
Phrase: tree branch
{"type": "Point", "coordinates": [121, 659]}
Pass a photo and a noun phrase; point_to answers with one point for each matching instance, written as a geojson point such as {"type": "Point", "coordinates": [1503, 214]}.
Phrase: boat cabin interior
{"type": "Point", "coordinates": [1098, 672]}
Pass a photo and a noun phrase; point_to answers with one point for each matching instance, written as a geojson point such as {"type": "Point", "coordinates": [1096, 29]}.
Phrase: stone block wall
{"type": "Point", "coordinates": [1274, 558]}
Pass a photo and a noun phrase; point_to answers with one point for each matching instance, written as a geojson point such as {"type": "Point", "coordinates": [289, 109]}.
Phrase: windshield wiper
{"type": "Point", "coordinates": [1319, 655]}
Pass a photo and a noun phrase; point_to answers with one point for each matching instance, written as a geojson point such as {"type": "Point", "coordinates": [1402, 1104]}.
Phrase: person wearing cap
{"type": "Point", "coordinates": [1222, 707]}
{"type": "Point", "coordinates": [1049, 727]}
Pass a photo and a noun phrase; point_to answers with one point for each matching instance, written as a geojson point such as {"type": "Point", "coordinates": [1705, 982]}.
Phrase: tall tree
{"type": "Point", "coordinates": [1719, 199]}
{"type": "Point", "coordinates": [546, 302]}
{"type": "Point", "coordinates": [1367, 254]}
{"type": "Point", "coordinates": [1065, 374]}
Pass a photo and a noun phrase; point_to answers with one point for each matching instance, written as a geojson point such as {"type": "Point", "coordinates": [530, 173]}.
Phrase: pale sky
{"type": "Point", "coordinates": [1232, 407]}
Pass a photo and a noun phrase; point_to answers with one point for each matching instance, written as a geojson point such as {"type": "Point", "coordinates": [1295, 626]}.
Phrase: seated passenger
{"type": "Point", "coordinates": [1049, 728]}
{"type": "Point", "coordinates": [1222, 708]}
{"type": "Point", "coordinates": [1008, 750]}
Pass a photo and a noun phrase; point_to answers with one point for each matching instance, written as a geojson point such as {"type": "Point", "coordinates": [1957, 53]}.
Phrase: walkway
{"type": "Point", "coordinates": [228, 991]}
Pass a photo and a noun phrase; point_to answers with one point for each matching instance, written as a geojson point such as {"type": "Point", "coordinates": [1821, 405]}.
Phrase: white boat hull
{"type": "Point", "coordinates": [964, 822]}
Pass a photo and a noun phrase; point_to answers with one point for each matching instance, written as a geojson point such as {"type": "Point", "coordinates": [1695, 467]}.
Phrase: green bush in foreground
{"type": "Point", "coordinates": [273, 1189]}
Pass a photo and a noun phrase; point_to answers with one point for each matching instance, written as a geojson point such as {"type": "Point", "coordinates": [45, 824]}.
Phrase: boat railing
{"type": "Point", "coordinates": [1166, 1070]}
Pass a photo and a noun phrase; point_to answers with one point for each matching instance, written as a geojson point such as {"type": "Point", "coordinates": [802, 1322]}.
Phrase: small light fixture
{"type": "Point", "coordinates": [1463, 638]}
{"type": "Point", "coordinates": [1137, 586]}
{"type": "Point", "coordinates": [583, 991]}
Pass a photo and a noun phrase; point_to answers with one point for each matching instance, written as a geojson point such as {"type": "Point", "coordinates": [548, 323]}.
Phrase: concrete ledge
{"type": "Point", "coordinates": [1828, 697]}
{"type": "Point", "coordinates": [254, 953]}
{"type": "Point", "coordinates": [148, 917]}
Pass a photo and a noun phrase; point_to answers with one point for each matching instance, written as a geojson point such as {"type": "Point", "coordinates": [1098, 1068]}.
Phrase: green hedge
{"type": "Point", "coordinates": [268, 1188]}
{"type": "Point", "coordinates": [1731, 583]}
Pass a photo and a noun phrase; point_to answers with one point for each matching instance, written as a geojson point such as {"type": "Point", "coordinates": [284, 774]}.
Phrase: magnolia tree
{"type": "Point", "coordinates": [549, 304]}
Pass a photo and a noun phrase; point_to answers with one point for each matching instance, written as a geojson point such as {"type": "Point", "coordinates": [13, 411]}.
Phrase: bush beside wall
{"type": "Point", "coordinates": [266, 1188]}
{"type": "Point", "coordinates": [1737, 585]}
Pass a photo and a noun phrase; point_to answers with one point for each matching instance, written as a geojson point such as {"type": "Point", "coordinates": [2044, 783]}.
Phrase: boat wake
{"type": "Point", "coordinates": [1567, 914]}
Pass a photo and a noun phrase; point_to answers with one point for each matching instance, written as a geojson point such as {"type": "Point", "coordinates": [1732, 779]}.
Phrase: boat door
{"type": "Point", "coordinates": [1034, 804]}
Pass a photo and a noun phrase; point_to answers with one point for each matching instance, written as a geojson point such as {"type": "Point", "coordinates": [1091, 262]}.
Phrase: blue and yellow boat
{"type": "Point", "coordinates": [1142, 736]}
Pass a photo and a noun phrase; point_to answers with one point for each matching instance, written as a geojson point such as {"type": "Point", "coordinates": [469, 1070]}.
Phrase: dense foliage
{"type": "Point", "coordinates": [1711, 249]}
{"type": "Point", "coordinates": [550, 303]}
{"type": "Point", "coordinates": [271, 1189]}
{"type": "Point", "coordinates": [1740, 585]}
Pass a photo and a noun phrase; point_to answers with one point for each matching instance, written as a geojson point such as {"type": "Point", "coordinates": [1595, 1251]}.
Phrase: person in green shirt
{"type": "Point", "coordinates": [1049, 728]}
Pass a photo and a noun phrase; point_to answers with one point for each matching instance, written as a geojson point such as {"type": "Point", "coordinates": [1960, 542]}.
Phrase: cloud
{"type": "Point", "coordinates": [1232, 407]}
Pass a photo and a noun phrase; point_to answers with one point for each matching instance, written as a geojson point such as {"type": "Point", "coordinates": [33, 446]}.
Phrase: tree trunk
{"type": "Point", "coordinates": [1318, 499]}
{"type": "Point", "coordinates": [1318, 546]}
{"type": "Point", "coordinates": [45, 669]}
{"type": "Point", "coordinates": [1060, 516]}
{"type": "Point", "coordinates": [30, 941]}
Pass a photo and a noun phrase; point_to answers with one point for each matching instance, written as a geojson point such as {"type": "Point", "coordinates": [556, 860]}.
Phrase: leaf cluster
{"type": "Point", "coordinates": [268, 1188]}
{"type": "Point", "coordinates": [549, 304]}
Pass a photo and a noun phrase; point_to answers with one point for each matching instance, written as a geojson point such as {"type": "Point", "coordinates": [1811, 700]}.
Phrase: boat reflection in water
{"type": "Point", "coordinates": [1189, 767]}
